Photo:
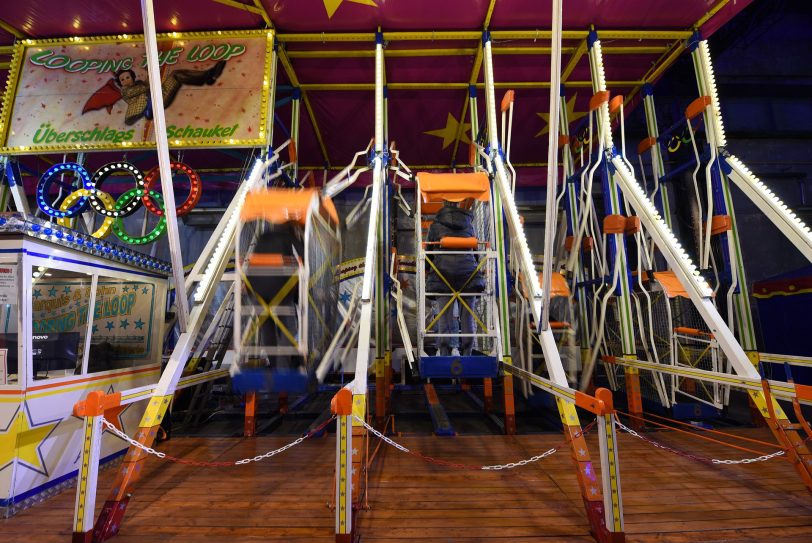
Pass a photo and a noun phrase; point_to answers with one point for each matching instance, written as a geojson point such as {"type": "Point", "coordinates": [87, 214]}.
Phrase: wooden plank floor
{"type": "Point", "coordinates": [667, 498]}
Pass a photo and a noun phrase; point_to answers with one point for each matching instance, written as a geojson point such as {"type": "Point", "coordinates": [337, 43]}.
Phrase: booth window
{"type": "Point", "coordinates": [59, 317]}
{"type": "Point", "coordinates": [122, 324]}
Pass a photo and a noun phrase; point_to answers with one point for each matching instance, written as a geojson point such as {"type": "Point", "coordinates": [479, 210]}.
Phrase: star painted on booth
{"type": "Point", "coordinates": [449, 132]}
{"type": "Point", "coordinates": [332, 5]}
{"type": "Point", "coordinates": [144, 290]}
{"type": "Point", "coordinates": [22, 439]}
{"type": "Point", "coordinates": [139, 324]}
{"type": "Point", "coordinates": [52, 292]}
{"type": "Point", "coordinates": [37, 293]}
{"type": "Point", "coordinates": [124, 323]}
{"type": "Point", "coordinates": [110, 325]}
{"type": "Point", "coordinates": [66, 290]}
{"type": "Point", "coordinates": [344, 297]}
{"type": "Point", "coordinates": [125, 289]}
{"type": "Point", "coordinates": [113, 415]}
{"type": "Point", "coordinates": [572, 115]}
{"type": "Point", "coordinates": [95, 328]}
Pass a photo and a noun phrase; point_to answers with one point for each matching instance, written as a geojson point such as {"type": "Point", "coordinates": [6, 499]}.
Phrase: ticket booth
{"type": "Point", "coordinates": [76, 314]}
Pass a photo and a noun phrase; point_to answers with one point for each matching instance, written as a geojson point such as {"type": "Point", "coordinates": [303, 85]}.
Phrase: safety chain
{"type": "Point", "coordinates": [149, 450]}
{"type": "Point", "coordinates": [456, 465]}
{"type": "Point", "coordinates": [703, 459]}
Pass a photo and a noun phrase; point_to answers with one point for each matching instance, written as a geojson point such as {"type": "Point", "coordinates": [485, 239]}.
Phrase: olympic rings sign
{"type": "Point", "coordinates": [91, 195]}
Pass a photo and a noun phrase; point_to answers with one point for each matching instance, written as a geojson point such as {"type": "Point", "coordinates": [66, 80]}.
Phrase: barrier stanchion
{"type": "Point", "coordinates": [610, 467]}
{"type": "Point", "coordinates": [92, 411]}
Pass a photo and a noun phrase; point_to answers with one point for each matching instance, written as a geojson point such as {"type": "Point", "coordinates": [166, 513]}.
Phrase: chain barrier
{"type": "Point", "coordinates": [149, 450]}
{"type": "Point", "coordinates": [703, 459]}
{"type": "Point", "coordinates": [457, 465]}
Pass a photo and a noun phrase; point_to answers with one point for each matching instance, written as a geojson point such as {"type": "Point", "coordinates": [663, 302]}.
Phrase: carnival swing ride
{"type": "Point", "coordinates": [338, 290]}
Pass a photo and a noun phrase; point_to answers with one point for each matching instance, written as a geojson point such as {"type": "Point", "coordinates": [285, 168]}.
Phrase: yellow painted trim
{"type": "Point", "coordinates": [665, 35]}
{"type": "Point", "coordinates": [431, 85]}
{"type": "Point", "coordinates": [711, 12]}
{"type": "Point", "coordinates": [359, 408]}
{"type": "Point", "coordinates": [16, 66]}
{"type": "Point", "coordinates": [11, 30]}
{"type": "Point", "coordinates": [240, 5]}
{"type": "Point", "coordinates": [572, 63]}
{"type": "Point", "coordinates": [283, 58]}
{"type": "Point", "coordinates": [92, 384]}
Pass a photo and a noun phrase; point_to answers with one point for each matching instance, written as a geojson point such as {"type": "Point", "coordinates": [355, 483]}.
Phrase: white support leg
{"type": "Point", "coordinates": [159, 123]}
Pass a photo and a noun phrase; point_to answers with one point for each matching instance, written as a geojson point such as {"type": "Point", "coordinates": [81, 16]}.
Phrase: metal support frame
{"type": "Point", "coordinates": [162, 145]}
{"type": "Point", "coordinates": [471, 82]}
{"type": "Point", "coordinates": [700, 293]}
{"type": "Point", "coordinates": [616, 243]}
{"type": "Point", "coordinates": [214, 261]}
{"type": "Point", "coordinates": [551, 214]}
{"type": "Point", "coordinates": [595, 501]}
{"type": "Point", "coordinates": [347, 480]}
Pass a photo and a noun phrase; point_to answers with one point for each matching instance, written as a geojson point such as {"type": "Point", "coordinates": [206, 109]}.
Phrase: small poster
{"type": "Point", "coordinates": [8, 284]}
{"type": "Point", "coordinates": [3, 366]}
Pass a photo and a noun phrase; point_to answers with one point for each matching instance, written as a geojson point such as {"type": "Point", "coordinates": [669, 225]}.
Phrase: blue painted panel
{"type": "Point", "coordinates": [470, 367]}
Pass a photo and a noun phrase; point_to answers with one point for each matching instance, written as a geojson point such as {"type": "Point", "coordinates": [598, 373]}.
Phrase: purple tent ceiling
{"type": "Point", "coordinates": [423, 122]}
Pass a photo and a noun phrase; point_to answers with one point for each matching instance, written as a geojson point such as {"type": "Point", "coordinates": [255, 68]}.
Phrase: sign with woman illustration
{"type": "Point", "coordinates": [93, 94]}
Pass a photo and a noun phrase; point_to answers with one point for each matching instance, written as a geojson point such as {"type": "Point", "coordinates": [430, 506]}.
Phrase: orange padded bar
{"type": "Point", "coordinates": [472, 153]}
{"type": "Point", "coordinates": [563, 140]}
{"type": "Point", "coordinates": [615, 103]}
{"type": "Point", "coordinates": [632, 225]}
{"type": "Point", "coordinates": [614, 224]}
{"type": "Point", "coordinates": [292, 151]}
{"type": "Point", "coordinates": [597, 99]}
{"type": "Point", "coordinates": [586, 243]}
{"type": "Point", "coordinates": [266, 260]}
{"type": "Point", "coordinates": [804, 392]}
{"type": "Point", "coordinates": [453, 187]}
{"type": "Point", "coordinates": [556, 325]}
{"type": "Point", "coordinates": [691, 331]}
{"type": "Point", "coordinates": [671, 285]}
{"type": "Point", "coordinates": [453, 243]}
{"type": "Point", "coordinates": [645, 145]}
{"type": "Point", "coordinates": [507, 100]}
{"type": "Point", "coordinates": [720, 223]}
{"type": "Point", "coordinates": [697, 107]}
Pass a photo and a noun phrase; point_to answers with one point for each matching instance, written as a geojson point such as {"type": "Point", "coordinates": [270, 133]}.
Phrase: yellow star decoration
{"type": "Point", "coordinates": [449, 132]}
{"type": "Point", "coordinates": [332, 5]}
{"type": "Point", "coordinates": [572, 116]}
{"type": "Point", "coordinates": [21, 439]}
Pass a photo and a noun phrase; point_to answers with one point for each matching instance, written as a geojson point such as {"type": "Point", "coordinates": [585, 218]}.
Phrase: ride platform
{"type": "Point", "coordinates": [667, 498]}
{"type": "Point", "coordinates": [463, 367]}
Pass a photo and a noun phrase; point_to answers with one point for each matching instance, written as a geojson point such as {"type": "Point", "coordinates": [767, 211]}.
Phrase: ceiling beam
{"type": "Point", "coordinates": [325, 37]}
{"type": "Point", "coordinates": [711, 12]}
{"type": "Point", "coordinates": [433, 85]}
{"type": "Point", "coordinates": [11, 30]}
{"type": "Point", "coordinates": [239, 5]}
{"type": "Point", "coordinates": [475, 69]}
{"type": "Point", "coordinates": [285, 61]}
{"type": "Point", "coordinates": [466, 51]}
{"type": "Point", "coordinates": [573, 61]}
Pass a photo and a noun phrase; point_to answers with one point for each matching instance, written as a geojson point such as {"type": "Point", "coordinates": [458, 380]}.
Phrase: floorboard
{"type": "Point", "coordinates": [667, 498]}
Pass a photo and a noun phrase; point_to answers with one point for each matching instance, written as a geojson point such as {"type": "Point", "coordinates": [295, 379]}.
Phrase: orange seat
{"type": "Point", "coordinates": [454, 243]}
